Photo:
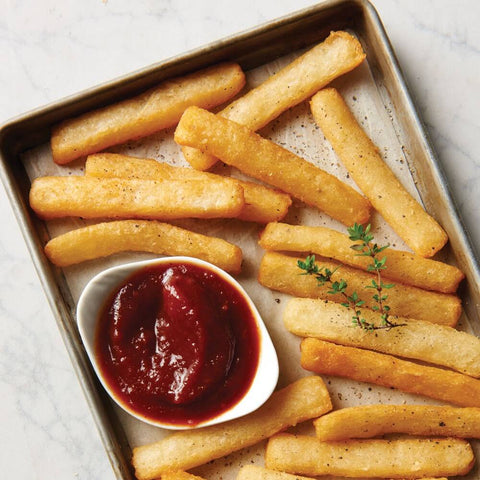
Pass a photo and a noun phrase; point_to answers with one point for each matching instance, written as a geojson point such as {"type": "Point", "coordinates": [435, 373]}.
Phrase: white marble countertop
{"type": "Point", "coordinates": [51, 49]}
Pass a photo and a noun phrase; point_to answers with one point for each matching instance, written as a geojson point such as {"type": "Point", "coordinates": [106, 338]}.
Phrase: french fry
{"type": "Point", "coordinates": [407, 217]}
{"type": "Point", "coordinates": [338, 54]}
{"type": "Point", "coordinates": [377, 368]}
{"type": "Point", "coordinates": [280, 272]}
{"type": "Point", "coordinates": [260, 158]}
{"type": "Point", "coordinates": [89, 197]}
{"type": "Point", "coordinates": [415, 339]}
{"type": "Point", "coordinates": [255, 472]}
{"type": "Point", "coordinates": [403, 267]}
{"type": "Point", "coordinates": [400, 458]}
{"type": "Point", "coordinates": [262, 204]}
{"type": "Point", "coordinates": [179, 475]}
{"type": "Point", "coordinates": [366, 421]}
{"type": "Point", "coordinates": [304, 399]}
{"type": "Point", "coordinates": [103, 239]}
{"type": "Point", "coordinates": [158, 108]}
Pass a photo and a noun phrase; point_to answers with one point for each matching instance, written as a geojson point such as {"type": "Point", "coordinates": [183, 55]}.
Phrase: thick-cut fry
{"type": "Point", "coordinates": [255, 472]}
{"type": "Point", "coordinates": [179, 475]}
{"type": "Point", "coordinates": [403, 267]}
{"type": "Point", "coordinates": [361, 157]}
{"type": "Point", "coordinates": [415, 339]}
{"type": "Point", "coordinates": [280, 272]}
{"type": "Point", "coordinates": [306, 398]}
{"type": "Point", "coordinates": [154, 110]}
{"type": "Point", "coordinates": [103, 239]}
{"type": "Point", "coordinates": [89, 197]}
{"type": "Point", "coordinates": [400, 458]}
{"type": "Point", "coordinates": [262, 204]}
{"type": "Point", "coordinates": [380, 369]}
{"type": "Point", "coordinates": [366, 421]}
{"type": "Point", "coordinates": [260, 158]}
{"type": "Point", "coordinates": [338, 54]}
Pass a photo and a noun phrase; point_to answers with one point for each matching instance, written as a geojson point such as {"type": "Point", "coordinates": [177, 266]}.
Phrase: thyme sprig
{"type": "Point", "coordinates": [323, 275]}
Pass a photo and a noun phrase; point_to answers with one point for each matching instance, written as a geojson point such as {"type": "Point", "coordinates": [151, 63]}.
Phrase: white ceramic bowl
{"type": "Point", "coordinates": [97, 291]}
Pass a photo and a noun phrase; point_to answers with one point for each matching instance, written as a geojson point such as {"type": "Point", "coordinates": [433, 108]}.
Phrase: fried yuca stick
{"type": "Point", "coordinates": [280, 272]}
{"type": "Point", "coordinates": [338, 54]}
{"type": "Point", "coordinates": [304, 399]}
{"type": "Point", "coordinates": [89, 197]}
{"type": "Point", "coordinates": [415, 339]}
{"type": "Point", "coordinates": [400, 458]}
{"type": "Point", "coordinates": [179, 475]}
{"type": "Point", "coordinates": [377, 368]}
{"type": "Point", "coordinates": [362, 159]}
{"type": "Point", "coordinates": [366, 421]}
{"type": "Point", "coordinates": [403, 267]}
{"type": "Point", "coordinates": [154, 110]}
{"type": "Point", "coordinates": [260, 158]}
{"type": "Point", "coordinates": [262, 204]}
{"type": "Point", "coordinates": [254, 472]}
{"type": "Point", "coordinates": [103, 239]}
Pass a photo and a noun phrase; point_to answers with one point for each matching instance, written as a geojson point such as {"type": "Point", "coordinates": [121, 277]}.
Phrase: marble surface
{"type": "Point", "coordinates": [50, 49]}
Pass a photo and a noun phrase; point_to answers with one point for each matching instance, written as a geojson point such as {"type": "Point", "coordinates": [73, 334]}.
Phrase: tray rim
{"type": "Point", "coordinates": [115, 447]}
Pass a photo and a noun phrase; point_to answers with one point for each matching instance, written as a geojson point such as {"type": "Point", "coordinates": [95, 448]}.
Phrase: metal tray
{"type": "Point", "coordinates": [253, 50]}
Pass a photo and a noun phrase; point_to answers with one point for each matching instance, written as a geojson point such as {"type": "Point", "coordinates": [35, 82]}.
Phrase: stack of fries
{"type": "Point", "coordinates": [140, 194]}
{"type": "Point", "coordinates": [132, 198]}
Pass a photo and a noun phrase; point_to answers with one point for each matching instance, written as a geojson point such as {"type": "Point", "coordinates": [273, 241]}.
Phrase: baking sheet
{"type": "Point", "coordinates": [376, 109]}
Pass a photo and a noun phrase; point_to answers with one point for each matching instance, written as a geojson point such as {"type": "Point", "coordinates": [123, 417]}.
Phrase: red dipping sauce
{"type": "Point", "coordinates": [178, 344]}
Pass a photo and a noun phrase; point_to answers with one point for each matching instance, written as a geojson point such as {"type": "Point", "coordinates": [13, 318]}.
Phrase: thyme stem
{"type": "Point", "coordinates": [353, 302]}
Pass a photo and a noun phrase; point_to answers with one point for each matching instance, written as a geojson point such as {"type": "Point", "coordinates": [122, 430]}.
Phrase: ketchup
{"type": "Point", "coordinates": [178, 343]}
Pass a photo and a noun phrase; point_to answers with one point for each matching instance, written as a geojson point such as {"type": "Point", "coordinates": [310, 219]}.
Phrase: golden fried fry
{"type": "Point", "coordinates": [403, 267]}
{"type": "Point", "coordinates": [254, 472]}
{"type": "Point", "coordinates": [260, 158]}
{"type": "Point", "coordinates": [103, 239]}
{"type": "Point", "coordinates": [262, 204]}
{"type": "Point", "coordinates": [156, 109]}
{"type": "Point", "coordinates": [400, 458]}
{"type": "Point", "coordinates": [179, 475]}
{"type": "Point", "coordinates": [361, 157]}
{"type": "Point", "coordinates": [415, 339]}
{"type": "Point", "coordinates": [89, 197]}
{"type": "Point", "coordinates": [304, 399]}
{"type": "Point", "coordinates": [366, 421]}
{"type": "Point", "coordinates": [338, 54]}
{"type": "Point", "coordinates": [280, 272]}
{"type": "Point", "coordinates": [380, 369]}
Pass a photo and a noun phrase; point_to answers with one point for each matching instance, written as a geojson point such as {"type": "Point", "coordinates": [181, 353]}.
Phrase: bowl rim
{"type": "Point", "coordinates": [98, 288]}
